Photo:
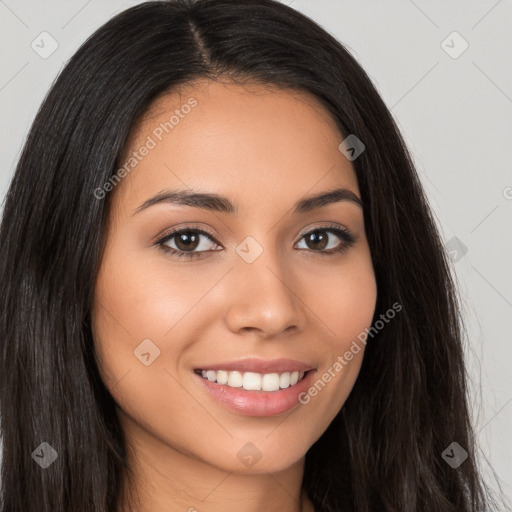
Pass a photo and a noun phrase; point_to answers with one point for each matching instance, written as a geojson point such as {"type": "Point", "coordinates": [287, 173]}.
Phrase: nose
{"type": "Point", "coordinates": [263, 298]}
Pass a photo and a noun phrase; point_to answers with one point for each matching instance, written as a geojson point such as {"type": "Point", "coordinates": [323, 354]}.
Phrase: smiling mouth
{"type": "Point", "coordinates": [251, 381]}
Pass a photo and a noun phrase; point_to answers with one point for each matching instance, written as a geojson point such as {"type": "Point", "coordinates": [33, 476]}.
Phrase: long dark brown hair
{"type": "Point", "coordinates": [383, 451]}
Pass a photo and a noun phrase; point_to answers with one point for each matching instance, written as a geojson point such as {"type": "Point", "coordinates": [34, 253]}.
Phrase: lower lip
{"type": "Point", "coordinates": [257, 403]}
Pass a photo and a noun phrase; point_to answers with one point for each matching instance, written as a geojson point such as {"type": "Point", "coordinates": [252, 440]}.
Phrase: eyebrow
{"type": "Point", "coordinates": [218, 203]}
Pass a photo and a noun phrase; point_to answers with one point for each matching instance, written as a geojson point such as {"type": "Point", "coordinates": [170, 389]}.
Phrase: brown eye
{"type": "Point", "coordinates": [187, 240]}
{"type": "Point", "coordinates": [323, 240]}
{"type": "Point", "coordinates": [192, 243]}
{"type": "Point", "coordinates": [317, 240]}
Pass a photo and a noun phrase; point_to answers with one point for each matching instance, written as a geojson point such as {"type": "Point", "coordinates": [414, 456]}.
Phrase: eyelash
{"type": "Point", "coordinates": [345, 235]}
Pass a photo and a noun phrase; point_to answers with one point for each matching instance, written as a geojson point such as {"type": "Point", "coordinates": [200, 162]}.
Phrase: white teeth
{"type": "Point", "coordinates": [284, 380]}
{"type": "Point", "coordinates": [222, 377]}
{"type": "Point", "coordinates": [270, 382]}
{"type": "Point", "coordinates": [235, 380]}
{"type": "Point", "coordinates": [252, 381]}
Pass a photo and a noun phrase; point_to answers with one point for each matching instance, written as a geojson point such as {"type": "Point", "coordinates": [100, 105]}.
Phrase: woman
{"type": "Point", "coordinates": [223, 285]}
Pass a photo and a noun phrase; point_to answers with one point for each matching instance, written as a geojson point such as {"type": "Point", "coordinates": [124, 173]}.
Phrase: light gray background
{"type": "Point", "coordinates": [455, 114]}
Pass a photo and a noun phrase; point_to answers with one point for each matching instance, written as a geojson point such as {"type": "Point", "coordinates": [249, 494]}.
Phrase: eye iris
{"type": "Point", "coordinates": [188, 240]}
{"type": "Point", "coordinates": [317, 236]}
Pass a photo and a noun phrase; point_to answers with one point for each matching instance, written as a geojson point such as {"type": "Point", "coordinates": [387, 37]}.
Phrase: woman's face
{"type": "Point", "coordinates": [258, 293]}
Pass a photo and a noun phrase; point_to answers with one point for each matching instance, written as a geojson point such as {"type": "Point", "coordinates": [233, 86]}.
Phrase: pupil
{"type": "Point", "coordinates": [189, 238]}
{"type": "Point", "coordinates": [315, 237]}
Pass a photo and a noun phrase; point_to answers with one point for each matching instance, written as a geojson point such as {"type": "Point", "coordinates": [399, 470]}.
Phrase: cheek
{"type": "Point", "coordinates": [134, 309]}
{"type": "Point", "coordinates": [131, 306]}
{"type": "Point", "coordinates": [345, 302]}
{"type": "Point", "coordinates": [141, 298]}
{"type": "Point", "coordinates": [144, 305]}
{"type": "Point", "coordinates": [346, 305]}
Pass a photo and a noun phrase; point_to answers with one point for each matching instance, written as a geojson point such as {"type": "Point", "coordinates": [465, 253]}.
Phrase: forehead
{"type": "Point", "coordinates": [254, 143]}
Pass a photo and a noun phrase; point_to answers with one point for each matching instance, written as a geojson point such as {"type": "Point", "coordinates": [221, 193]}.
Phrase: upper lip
{"type": "Point", "coordinates": [260, 366]}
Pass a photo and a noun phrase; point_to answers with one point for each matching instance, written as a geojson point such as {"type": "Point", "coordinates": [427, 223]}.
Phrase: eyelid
{"type": "Point", "coordinates": [218, 239]}
{"type": "Point", "coordinates": [188, 227]}
{"type": "Point", "coordinates": [326, 226]}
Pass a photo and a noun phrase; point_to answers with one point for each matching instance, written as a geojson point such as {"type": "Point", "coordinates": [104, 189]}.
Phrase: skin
{"type": "Point", "coordinates": [264, 149]}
